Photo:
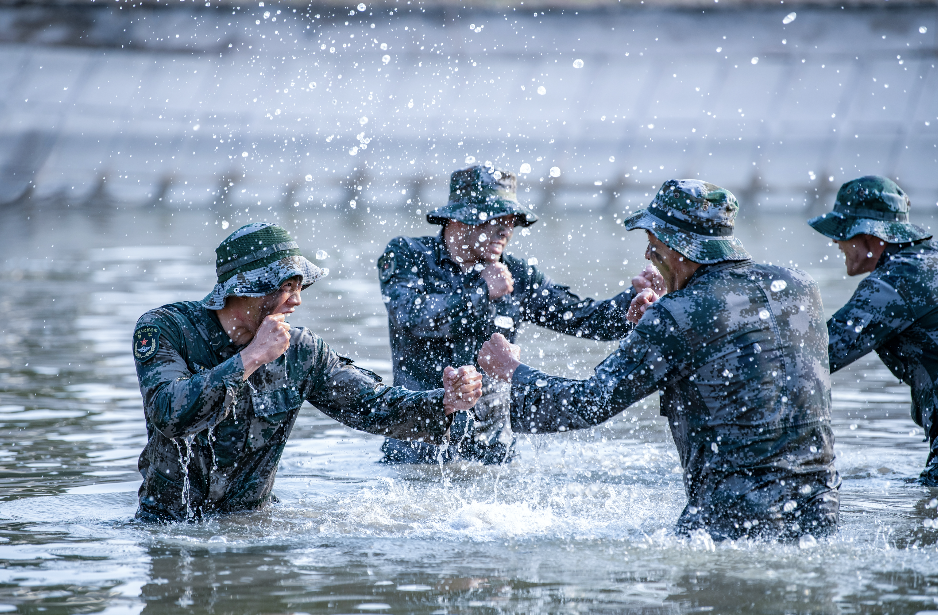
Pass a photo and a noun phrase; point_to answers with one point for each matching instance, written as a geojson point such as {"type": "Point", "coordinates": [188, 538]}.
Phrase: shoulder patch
{"type": "Point", "coordinates": [146, 342]}
{"type": "Point", "coordinates": [387, 266]}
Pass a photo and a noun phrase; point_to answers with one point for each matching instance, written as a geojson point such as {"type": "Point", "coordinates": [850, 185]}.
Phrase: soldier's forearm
{"type": "Point", "coordinates": [190, 403]}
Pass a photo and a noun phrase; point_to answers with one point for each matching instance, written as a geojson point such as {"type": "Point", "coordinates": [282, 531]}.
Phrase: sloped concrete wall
{"type": "Point", "coordinates": [226, 107]}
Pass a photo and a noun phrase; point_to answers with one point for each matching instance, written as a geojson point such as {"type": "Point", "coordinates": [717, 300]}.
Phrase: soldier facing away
{"type": "Point", "coordinates": [446, 294]}
{"type": "Point", "coordinates": [223, 380]}
{"type": "Point", "coordinates": [894, 311]}
{"type": "Point", "coordinates": [739, 353]}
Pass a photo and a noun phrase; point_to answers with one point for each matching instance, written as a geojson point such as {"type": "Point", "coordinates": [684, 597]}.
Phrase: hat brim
{"type": "Point", "coordinates": [264, 280]}
{"type": "Point", "coordinates": [462, 212]}
{"type": "Point", "coordinates": [694, 247]}
{"type": "Point", "coordinates": [841, 227]}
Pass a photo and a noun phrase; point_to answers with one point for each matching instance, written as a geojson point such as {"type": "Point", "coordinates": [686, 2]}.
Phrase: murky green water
{"type": "Point", "coordinates": [578, 524]}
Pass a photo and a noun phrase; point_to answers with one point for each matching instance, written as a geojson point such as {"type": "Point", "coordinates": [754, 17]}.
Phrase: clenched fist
{"type": "Point", "coordinates": [499, 358]}
{"type": "Point", "coordinates": [640, 303]}
{"type": "Point", "coordinates": [271, 340]}
{"type": "Point", "coordinates": [462, 388]}
{"type": "Point", "coordinates": [498, 279]}
{"type": "Point", "coordinates": [650, 278]}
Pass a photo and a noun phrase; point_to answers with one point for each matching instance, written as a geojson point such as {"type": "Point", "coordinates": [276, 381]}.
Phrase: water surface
{"type": "Point", "coordinates": [578, 524]}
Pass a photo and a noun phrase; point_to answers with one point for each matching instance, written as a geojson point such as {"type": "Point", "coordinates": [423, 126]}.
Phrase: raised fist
{"type": "Point", "coordinates": [640, 303]}
{"type": "Point", "coordinates": [271, 340]}
{"type": "Point", "coordinates": [462, 388]}
{"type": "Point", "coordinates": [649, 278]}
{"type": "Point", "coordinates": [498, 279]}
{"type": "Point", "coordinates": [499, 358]}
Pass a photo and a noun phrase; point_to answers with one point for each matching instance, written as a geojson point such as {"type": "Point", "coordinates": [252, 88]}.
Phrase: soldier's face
{"type": "Point", "coordinates": [486, 242]}
{"type": "Point", "coordinates": [285, 300]}
{"type": "Point", "coordinates": [659, 254]}
{"type": "Point", "coordinates": [861, 253]}
{"type": "Point", "coordinates": [282, 301]}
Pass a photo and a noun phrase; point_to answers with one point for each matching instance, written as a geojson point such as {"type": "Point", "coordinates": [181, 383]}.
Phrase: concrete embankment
{"type": "Point", "coordinates": [242, 105]}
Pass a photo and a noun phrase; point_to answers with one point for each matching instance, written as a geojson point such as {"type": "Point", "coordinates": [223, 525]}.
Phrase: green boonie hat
{"type": "Point", "coordinates": [254, 261]}
{"type": "Point", "coordinates": [481, 193]}
{"type": "Point", "coordinates": [694, 218]}
{"type": "Point", "coordinates": [870, 205]}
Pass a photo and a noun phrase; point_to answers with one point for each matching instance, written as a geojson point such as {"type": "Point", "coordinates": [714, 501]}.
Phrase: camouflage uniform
{"type": "Point", "coordinates": [214, 439]}
{"type": "Point", "coordinates": [894, 311]}
{"type": "Point", "coordinates": [439, 316]}
{"type": "Point", "coordinates": [739, 356]}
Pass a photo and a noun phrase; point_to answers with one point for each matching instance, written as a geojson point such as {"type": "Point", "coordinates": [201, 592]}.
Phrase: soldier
{"type": "Point", "coordinates": [894, 311]}
{"type": "Point", "coordinates": [738, 351]}
{"type": "Point", "coordinates": [223, 380]}
{"type": "Point", "coordinates": [446, 295]}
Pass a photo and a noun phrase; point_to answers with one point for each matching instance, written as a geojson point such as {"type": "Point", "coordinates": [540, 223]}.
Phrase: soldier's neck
{"type": "Point", "coordinates": [454, 238]}
{"type": "Point", "coordinates": [678, 277]}
{"type": "Point", "coordinates": [240, 318]}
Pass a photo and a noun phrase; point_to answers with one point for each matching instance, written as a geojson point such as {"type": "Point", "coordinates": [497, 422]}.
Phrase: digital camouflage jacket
{"type": "Point", "coordinates": [739, 356]}
{"type": "Point", "coordinates": [439, 316]}
{"type": "Point", "coordinates": [214, 440]}
{"type": "Point", "coordinates": [894, 311]}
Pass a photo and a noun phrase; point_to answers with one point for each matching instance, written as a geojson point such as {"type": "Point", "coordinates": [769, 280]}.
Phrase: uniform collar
{"type": "Point", "coordinates": [894, 248]}
{"type": "Point", "coordinates": [210, 328]}
{"type": "Point", "coordinates": [443, 256]}
{"type": "Point", "coordinates": [706, 269]}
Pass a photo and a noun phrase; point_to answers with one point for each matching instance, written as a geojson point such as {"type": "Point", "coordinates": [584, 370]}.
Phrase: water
{"type": "Point", "coordinates": [579, 523]}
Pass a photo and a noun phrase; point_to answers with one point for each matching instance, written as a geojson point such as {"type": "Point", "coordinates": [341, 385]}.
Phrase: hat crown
{"type": "Point", "coordinates": [252, 246]}
{"type": "Point", "coordinates": [482, 184]}
{"type": "Point", "coordinates": [871, 196]}
{"type": "Point", "coordinates": [698, 203]}
{"type": "Point", "coordinates": [479, 193]}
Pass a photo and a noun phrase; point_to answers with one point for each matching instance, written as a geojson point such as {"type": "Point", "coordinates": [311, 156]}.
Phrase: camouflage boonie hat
{"type": "Point", "coordinates": [254, 261]}
{"type": "Point", "coordinates": [870, 205]}
{"type": "Point", "coordinates": [694, 218]}
{"type": "Point", "coordinates": [481, 193]}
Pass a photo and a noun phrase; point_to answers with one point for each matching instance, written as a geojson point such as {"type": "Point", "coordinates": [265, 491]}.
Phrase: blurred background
{"type": "Point", "coordinates": [235, 105]}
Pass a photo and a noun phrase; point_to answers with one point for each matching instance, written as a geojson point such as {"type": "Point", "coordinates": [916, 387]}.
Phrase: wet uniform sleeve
{"type": "Point", "coordinates": [356, 397]}
{"type": "Point", "coordinates": [645, 361]}
{"type": "Point", "coordinates": [422, 313]}
{"type": "Point", "coordinates": [875, 313]}
{"type": "Point", "coordinates": [178, 402]}
{"type": "Point", "coordinates": [555, 307]}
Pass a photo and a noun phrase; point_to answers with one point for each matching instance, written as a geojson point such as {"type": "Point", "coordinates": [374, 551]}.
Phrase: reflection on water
{"type": "Point", "coordinates": [579, 523]}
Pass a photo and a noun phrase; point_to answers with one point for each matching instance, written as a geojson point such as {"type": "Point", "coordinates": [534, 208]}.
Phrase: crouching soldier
{"type": "Point", "coordinates": [739, 353]}
{"type": "Point", "coordinates": [223, 380]}
{"type": "Point", "coordinates": [446, 295]}
{"type": "Point", "coordinates": [894, 311]}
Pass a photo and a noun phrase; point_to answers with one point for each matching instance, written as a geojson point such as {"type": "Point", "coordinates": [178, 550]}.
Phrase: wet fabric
{"type": "Point", "coordinates": [440, 316]}
{"type": "Point", "coordinates": [694, 218]}
{"type": "Point", "coordinates": [214, 440]}
{"type": "Point", "coordinates": [870, 205]}
{"type": "Point", "coordinates": [256, 260]}
{"type": "Point", "coordinates": [740, 358]}
{"type": "Point", "coordinates": [894, 311]}
{"type": "Point", "coordinates": [480, 193]}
